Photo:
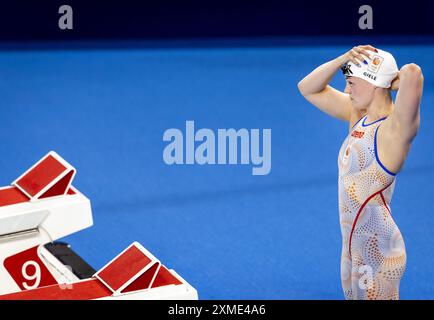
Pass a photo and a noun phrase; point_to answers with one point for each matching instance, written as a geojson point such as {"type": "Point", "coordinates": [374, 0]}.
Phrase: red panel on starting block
{"type": "Point", "coordinates": [41, 175]}
{"type": "Point", "coordinates": [11, 195]}
{"type": "Point", "coordinates": [50, 176]}
{"type": "Point", "coordinates": [28, 270]}
{"type": "Point", "coordinates": [60, 187]}
{"type": "Point", "coordinates": [144, 281]}
{"type": "Point", "coordinates": [83, 290]}
{"type": "Point", "coordinates": [133, 263]}
{"type": "Point", "coordinates": [165, 278]}
{"type": "Point", "coordinates": [86, 289]}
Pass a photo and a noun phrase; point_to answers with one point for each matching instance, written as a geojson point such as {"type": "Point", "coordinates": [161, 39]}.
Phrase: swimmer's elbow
{"type": "Point", "coordinates": [412, 72]}
{"type": "Point", "coordinates": [411, 68]}
{"type": "Point", "coordinates": [302, 88]}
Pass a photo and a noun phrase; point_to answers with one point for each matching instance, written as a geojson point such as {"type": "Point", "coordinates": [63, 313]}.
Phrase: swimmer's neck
{"type": "Point", "coordinates": [380, 107]}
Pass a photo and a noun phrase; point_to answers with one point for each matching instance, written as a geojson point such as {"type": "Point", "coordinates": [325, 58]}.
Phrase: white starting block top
{"type": "Point", "coordinates": [42, 206]}
{"type": "Point", "coordinates": [43, 198]}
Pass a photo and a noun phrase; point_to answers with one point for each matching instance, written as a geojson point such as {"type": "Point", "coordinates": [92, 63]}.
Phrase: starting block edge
{"type": "Point", "coordinates": [145, 252]}
{"type": "Point", "coordinates": [58, 158]}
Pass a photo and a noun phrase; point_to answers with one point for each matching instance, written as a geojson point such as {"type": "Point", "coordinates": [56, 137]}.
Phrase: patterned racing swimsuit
{"type": "Point", "coordinates": [373, 251]}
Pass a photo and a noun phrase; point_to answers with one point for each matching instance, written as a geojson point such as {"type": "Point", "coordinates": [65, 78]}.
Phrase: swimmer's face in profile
{"type": "Point", "coordinates": [361, 92]}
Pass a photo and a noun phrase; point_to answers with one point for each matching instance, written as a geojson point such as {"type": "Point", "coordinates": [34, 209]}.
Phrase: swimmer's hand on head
{"type": "Point", "coordinates": [316, 89]}
{"type": "Point", "coordinates": [358, 55]}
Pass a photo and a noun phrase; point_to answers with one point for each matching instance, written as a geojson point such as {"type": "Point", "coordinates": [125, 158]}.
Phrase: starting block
{"type": "Point", "coordinates": [42, 206]}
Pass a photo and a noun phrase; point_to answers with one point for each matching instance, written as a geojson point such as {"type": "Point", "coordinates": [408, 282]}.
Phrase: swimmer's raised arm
{"type": "Point", "coordinates": [399, 129]}
{"type": "Point", "coordinates": [315, 88]}
{"type": "Point", "coordinates": [405, 118]}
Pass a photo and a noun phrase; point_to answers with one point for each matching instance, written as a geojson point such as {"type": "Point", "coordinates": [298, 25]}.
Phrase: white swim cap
{"type": "Point", "coordinates": [380, 70]}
